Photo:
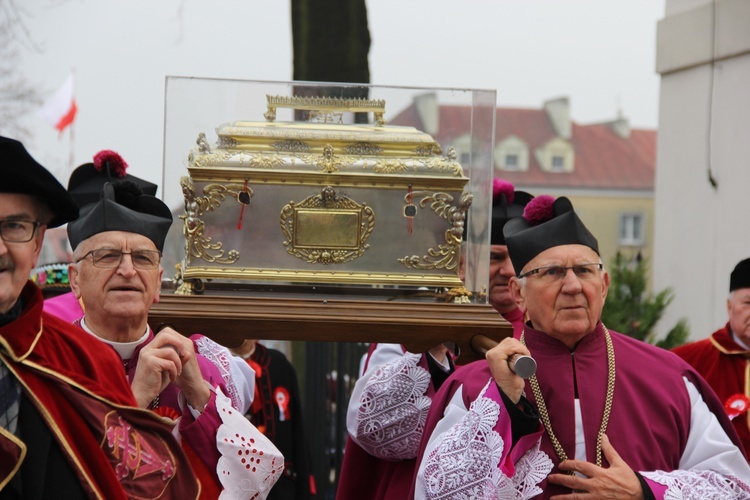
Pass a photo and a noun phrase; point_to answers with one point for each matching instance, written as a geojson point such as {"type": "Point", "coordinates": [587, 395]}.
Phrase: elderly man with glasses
{"type": "Point", "coordinates": [116, 274]}
{"type": "Point", "coordinates": [69, 425]}
{"type": "Point", "coordinates": [619, 418]}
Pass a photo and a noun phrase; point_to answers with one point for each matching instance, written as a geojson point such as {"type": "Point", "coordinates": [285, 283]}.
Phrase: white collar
{"type": "Point", "coordinates": [124, 349]}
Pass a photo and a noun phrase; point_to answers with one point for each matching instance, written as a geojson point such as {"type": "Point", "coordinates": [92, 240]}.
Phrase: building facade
{"type": "Point", "coordinates": [703, 174]}
{"type": "Point", "coordinates": [606, 169]}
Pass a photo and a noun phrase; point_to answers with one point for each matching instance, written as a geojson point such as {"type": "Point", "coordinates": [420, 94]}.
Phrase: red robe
{"type": "Point", "coordinates": [117, 451]}
{"type": "Point", "coordinates": [724, 365]}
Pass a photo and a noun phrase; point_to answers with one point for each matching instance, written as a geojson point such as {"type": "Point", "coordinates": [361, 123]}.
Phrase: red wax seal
{"type": "Point", "coordinates": [736, 405]}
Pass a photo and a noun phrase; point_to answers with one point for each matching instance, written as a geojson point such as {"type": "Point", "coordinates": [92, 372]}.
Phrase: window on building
{"type": "Point", "coordinates": [512, 154]}
{"type": "Point", "coordinates": [511, 162]}
{"type": "Point", "coordinates": [631, 229]}
{"type": "Point", "coordinates": [558, 163]}
{"type": "Point", "coordinates": [464, 159]}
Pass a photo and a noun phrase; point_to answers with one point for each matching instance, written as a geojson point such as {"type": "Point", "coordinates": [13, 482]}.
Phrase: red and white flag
{"type": "Point", "coordinates": [60, 109]}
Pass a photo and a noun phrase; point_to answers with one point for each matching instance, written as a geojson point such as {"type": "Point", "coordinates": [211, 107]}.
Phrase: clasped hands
{"type": "Point", "coordinates": [169, 358]}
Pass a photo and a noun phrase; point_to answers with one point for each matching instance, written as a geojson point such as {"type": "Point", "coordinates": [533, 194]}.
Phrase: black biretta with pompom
{"type": "Point", "coordinates": [507, 204]}
{"type": "Point", "coordinates": [22, 174]}
{"type": "Point", "coordinates": [123, 207]}
{"type": "Point", "coordinates": [86, 181]}
{"type": "Point", "coordinates": [546, 223]}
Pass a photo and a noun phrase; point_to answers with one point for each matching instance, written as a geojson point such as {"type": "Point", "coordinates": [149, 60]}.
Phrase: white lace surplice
{"type": "Point", "coordinates": [463, 456]}
{"type": "Point", "coordinates": [388, 408]}
{"type": "Point", "coordinates": [710, 466]}
{"type": "Point", "coordinates": [455, 463]}
{"type": "Point", "coordinates": [238, 376]}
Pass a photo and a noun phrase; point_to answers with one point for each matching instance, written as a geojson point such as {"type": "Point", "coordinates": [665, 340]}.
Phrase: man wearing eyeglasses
{"type": "Point", "coordinates": [116, 274]}
{"type": "Point", "coordinates": [605, 416]}
{"type": "Point", "coordinates": [69, 425]}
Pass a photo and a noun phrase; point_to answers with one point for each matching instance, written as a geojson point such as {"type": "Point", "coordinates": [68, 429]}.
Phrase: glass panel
{"type": "Point", "coordinates": [251, 205]}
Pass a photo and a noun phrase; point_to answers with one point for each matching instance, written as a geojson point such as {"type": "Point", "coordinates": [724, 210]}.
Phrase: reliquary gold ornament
{"type": "Point", "coordinates": [323, 201]}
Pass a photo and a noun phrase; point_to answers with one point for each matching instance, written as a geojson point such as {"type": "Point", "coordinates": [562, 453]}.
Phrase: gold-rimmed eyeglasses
{"type": "Point", "coordinates": [109, 258]}
{"type": "Point", "coordinates": [553, 274]}
{"type": "Point", "coordinates": [18, 231]}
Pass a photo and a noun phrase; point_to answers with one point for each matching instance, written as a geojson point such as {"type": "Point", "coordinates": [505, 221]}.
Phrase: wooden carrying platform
{"type": "Point", "coordinates": [419, 326]}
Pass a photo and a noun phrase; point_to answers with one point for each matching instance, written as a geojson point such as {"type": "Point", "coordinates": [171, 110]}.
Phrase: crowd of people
{"type": "Point", "coordinates": [95, 404]}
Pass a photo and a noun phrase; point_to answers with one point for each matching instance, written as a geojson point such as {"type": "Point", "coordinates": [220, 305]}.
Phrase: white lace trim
{"type": "Point", "coordinates": [394, 409]}
{"type": "Point", "coordinates": [531, 469]}
{"type": "Point", "coordinates": [466, 462]}
{"type": "Point", "coordinates": [699, 484]}
{"type": "Point", "coordinates": [250, 464]}
{"type": "Point", "coordinates": [221, 357]}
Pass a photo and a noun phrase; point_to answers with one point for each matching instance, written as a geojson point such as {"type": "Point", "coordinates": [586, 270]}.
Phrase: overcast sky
{"type": "Point", "coordinates": [599, 53]}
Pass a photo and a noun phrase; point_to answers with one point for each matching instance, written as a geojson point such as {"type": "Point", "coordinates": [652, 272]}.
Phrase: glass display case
{"type": "Point", "coordinates": [340, 193]}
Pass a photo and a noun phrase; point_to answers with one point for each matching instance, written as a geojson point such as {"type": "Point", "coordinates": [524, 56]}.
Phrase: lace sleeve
{"type": "Point", "coordinates": [238, 377]}
{"type": "Point", "coordinates": [465, 455]}
{"type": "Point", "coordinates": [710, 467]}
{"type": "Point", "coordinates": [388, 408]}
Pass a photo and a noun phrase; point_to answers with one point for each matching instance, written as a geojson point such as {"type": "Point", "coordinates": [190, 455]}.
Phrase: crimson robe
{"type": "Point", "coordinates": [117, 450]}
{"type": "Point", "coordinates": [724, 365]}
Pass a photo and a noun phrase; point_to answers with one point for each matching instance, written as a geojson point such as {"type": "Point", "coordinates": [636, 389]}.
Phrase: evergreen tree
{"type": "Point", "coordinates": [629, 309]}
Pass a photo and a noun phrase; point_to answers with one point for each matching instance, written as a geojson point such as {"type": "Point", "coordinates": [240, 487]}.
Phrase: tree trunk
{"type": "Point", "coordinates": [331, 41]}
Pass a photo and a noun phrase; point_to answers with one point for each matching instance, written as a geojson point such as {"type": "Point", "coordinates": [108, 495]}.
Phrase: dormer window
{"type": "Point", "coordinates": [511, 162]}
{"type": "Point", "coordinates": [558, 163]}
{"type": "Point", "coordinates": [556, 156]}
{"type": "Point", "coordinates": [512, 154]}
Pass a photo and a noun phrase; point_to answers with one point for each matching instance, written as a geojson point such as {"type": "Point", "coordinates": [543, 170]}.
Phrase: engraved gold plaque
{"type": "Point", "coordinates": [333, 229]}
{"type": "Point", "coordinates": [327, 228]}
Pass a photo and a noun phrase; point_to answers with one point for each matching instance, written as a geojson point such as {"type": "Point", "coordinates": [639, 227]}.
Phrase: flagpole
{"type": "Point", "coordinates": [71, 160]}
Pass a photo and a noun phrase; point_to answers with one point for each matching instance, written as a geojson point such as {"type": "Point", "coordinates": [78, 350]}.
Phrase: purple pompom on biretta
{"type": "Point", "coordinates": [87, 181]}
{"type": "Point", "coordinates": [507, 203]}
{"type": "Point", "coordinates": [501, 186]}
{"type": "Point", "coordinates": [539, 210]}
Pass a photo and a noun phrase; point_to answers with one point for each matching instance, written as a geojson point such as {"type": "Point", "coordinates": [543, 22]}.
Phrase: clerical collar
{"type": "Point", "coordinates": [739, 342]}
{"type": "Point", "coordinates": [444, 365]}
{"type": "Point", "coordinates": [124, 349]}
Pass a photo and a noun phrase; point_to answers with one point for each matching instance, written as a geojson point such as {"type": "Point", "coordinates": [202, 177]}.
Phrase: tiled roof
{"type": "Point", "coordinates": [603, 160]}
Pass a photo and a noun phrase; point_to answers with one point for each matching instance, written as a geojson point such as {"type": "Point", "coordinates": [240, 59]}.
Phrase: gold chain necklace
{"type": "Point", "coordinates": [544, 415]}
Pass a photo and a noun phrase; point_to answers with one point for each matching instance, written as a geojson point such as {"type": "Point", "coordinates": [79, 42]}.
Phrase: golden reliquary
{"type": "Point", "coordinates": [322, 201]}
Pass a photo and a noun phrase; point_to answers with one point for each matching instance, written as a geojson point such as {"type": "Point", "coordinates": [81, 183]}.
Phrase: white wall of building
{"type": "Point", "coordinates": [702, 231]}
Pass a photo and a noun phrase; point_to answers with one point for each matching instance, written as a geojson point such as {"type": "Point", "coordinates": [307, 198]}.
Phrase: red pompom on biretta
{"type": "Point", "coordinates": [111, 159]}
{"type": "Point", "coordinates": [501, 186]}
{"type": "Point", "coordinates": [539, 210]}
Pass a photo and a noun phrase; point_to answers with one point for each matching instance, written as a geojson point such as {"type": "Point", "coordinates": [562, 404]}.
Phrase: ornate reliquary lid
{"type": "Point", "coordinates": [325, 143]}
